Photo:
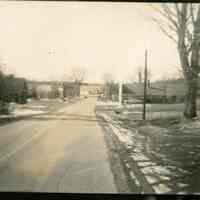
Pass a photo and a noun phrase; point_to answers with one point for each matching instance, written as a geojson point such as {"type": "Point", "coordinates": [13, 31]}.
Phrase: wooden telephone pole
{"type": "Point", "coordinates": [145, 87]}
{"type": "Point", "coordinates": [120, 93]}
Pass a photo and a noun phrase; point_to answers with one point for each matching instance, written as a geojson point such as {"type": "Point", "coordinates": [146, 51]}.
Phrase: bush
{"type": "Point", "coordinates": [4, 108]}
{"type": "Point", "coordinates": [156, 99]}
{"type": "Point", "coordinates": [175, 99]}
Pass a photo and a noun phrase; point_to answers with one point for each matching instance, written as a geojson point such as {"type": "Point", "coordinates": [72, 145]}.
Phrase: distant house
{"type": "Point", "coordinates": [39, 89]}
{"type": "Point", "coordinates": [159, 91]}
{"type": "Point", "coordinates": [90, 89]}
{"type": "Point", "coordinates": [71, 89]}
{"type": "Point", "coordinates": [45, 89]}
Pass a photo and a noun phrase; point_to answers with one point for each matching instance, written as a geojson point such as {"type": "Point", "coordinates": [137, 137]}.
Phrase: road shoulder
{"type": "Point", "coordinates": [114, 158]}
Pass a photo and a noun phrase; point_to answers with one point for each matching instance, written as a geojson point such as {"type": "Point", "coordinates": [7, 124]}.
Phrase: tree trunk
{"type": "Point", "coordinates": [190, 100]}
{"type": "Point", "coordinates": [191, 78]}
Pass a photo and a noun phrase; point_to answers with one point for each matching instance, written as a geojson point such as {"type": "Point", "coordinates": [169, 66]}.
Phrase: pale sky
{"type": "Point", "coordinates": [44, 40]}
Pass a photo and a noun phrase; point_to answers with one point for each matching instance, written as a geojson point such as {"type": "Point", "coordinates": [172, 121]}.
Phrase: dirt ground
{"type": "Point", "coordinates": [170, 142]}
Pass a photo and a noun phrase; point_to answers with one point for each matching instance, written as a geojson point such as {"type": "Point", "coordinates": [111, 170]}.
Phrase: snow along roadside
{"type": "Point", "coordinates": [123, 136]}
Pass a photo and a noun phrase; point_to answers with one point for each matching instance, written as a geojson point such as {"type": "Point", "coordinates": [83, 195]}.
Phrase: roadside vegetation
{"type": "Point", "coordinates": [166, 138]}
{"type": "Point", "coordinates": [12, 89]}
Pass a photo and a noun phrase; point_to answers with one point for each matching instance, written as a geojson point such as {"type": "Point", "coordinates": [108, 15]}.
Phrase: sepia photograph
{"type": "Point", "coordinates": [100, 97]}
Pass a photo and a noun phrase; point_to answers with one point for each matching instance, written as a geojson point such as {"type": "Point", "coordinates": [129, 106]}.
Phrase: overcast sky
{"type": "Point", "coordinates": [44, 40]}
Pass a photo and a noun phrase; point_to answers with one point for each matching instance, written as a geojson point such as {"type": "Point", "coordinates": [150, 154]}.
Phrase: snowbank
{"type": "Point", "coordinates": [123, 136]}
{"type": "Point", "coordinates": [37, 107]}
{"type": "Point", "coordinates": [107, 103]}
{"type": "Point", "coordinates": [45, 99]}
{"type": "Point", "coordinates": [132, 112]}
{"type": "Point", "coordinates": [26, 112]}
{"type": "Point", "coordinates": [137, 105]}
{"type": "Point", "coordinates": [22, 112]}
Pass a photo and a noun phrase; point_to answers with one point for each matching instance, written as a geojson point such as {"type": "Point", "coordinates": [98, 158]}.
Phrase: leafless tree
{"type": "Point", "coordinates": [108, 78]}
{"type": "Point", "coordinates": [78, 74]}
{"type": "Point", "coordinates": [181, 23]}
{"type": "Point", "coordinates": [179, 72]}
{"type": "Point", "coordinates": [110, 86]}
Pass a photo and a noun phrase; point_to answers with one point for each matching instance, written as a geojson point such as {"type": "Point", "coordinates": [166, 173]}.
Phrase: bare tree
{"type": "Point", "coordinates": [110, 85]}
{"type": "Point", "coordinates": [181, 23]}
{"type": "Point", "coordinates": [78, 74]}
{"type": "Point", "coordinates": [108, 81]}
{"type": "Point", "coordinates": [179, 72]}
{"type": "Point", "coordinates": [108, 78]}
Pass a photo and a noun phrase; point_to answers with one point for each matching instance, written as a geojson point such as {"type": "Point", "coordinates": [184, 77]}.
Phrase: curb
{"type": "Point", "coordinates": [137, 180]}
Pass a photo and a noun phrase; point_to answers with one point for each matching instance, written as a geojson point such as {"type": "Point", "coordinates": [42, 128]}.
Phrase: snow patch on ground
{"type": "Point", "coordinates": [145, 164]}
{"type": "Point", "coordinates": [37, 106]}
{"type": "Point", "coordinates": [139, 157]}
{"type": "Point", "coordinates": [124, 136]}
{"type": "Point", "coordinates": [106, 117]}
{"type": "Point", "coordinates": [31, 107]}
{"type": "Point", "coordinates": [132, 112]}
{"type": "Point", "coordinates": [107, 103]}
{"type": "Point", "coordinates": [137, 105]}
{"type": "Point", "coordinates": [182, 185]}
{"type": "Point", "coordinates": [45, 99]}
{"type": "Point", "coordinates": [156, 170]}
{"type": "Point", "coordinates": [22, 112]}
{"type": "Point", "coordinates": [26, 112]}
{"type": "Point", "coordinates": [151, 179]}
{"type": "Point", "coordinates": [161, 188]}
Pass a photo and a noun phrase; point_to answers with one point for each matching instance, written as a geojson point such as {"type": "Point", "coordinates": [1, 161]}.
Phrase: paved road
{"type": "Point", "coordinates": [61, 152]}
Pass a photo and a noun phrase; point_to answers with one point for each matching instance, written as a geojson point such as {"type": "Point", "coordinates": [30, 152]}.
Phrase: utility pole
{"type": "Point", "coordinates": [145, 87]}
{"type": "Point", "coordinates": [120, 93]}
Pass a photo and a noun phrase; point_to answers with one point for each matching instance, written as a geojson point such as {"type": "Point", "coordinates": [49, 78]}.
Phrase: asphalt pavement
{"type": "Point", "coordinates": [62, 151]}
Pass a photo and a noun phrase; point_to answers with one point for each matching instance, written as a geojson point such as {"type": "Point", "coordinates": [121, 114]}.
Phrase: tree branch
{"type": "Point", "coordinates": [192, 14]}
{"type": "Point", "coordinates": [164, 31]}
{"type": "Point", "coordinates": [167, 16]}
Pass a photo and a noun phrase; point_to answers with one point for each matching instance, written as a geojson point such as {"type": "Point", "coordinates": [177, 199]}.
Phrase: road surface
{"type": "Point", "coordinates": [60, 152]}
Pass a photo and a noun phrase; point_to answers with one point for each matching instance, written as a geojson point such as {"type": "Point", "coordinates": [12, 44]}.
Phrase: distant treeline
{"type": "Point", "coordinates": [13, 89]}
